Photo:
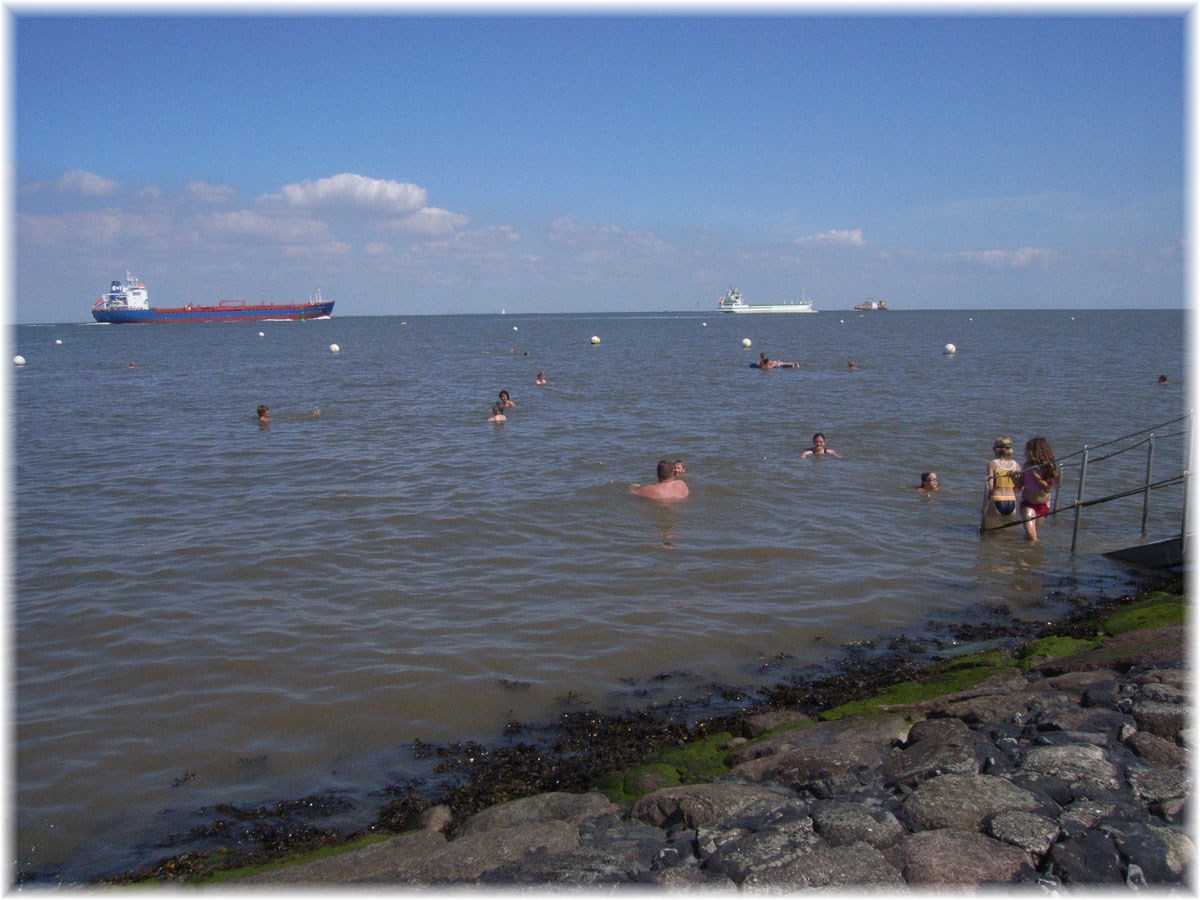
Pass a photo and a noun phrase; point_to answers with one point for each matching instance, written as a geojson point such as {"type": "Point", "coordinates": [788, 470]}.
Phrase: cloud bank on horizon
{"type": "Point", "coordinates": [666, 225]}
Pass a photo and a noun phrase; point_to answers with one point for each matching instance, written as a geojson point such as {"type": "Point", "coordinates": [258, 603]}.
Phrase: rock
{"type": "Point", "coordinates": [1180, 847]}
{"type": "Point", "coordinates": [852, 735]}
{"type": "Point", "coordinates": [1073, 718]}
{"type": "Point", "coordinates": [554, 806]}
{"type": "Point", "coordinates": [959, 859]}
{"type": "Point", "coordinates": [1087, 858]}
{"type": "Point", "coordinates": [1077, 683]}
{"type": "Point", "coordinates": [763, 722]}
{"type": "Point", "coordinates": [822, 771]}
{"type": "Point", "coordinates": [437, 818]}
{"type": "Point", "coordinates": [1032, 833]}
{"type": "Point", "coordinates": [363, 863]}
{"type": "Point", "coordinates": [1163, 719]}
{"type": "Point", "coordinates": [757, 851]}
{"type": "Point", "coordinates": [842, 824]}
{"type": "Point", "coordinates": [937, 747]}
{"type": "Point", "coordinates": [964, 802]}
{"type": "Point", "coordinates": [860, 866]}
{"type": "Point", "coordinates": [1157, 750]}
{"type": "Point", "coordinates": [1078, 763]}
{"type": "Point", "coordinates": [697, 804]}
{"type": "Point", "coordinates": [1084, 815]}
{"type": "Point", "coordinates": [1139, 845]}
{"type": "Point", "coordinates": [1158, 784]}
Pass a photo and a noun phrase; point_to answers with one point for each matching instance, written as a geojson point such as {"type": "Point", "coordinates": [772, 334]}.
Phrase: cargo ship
{"type": "Point", "coordinates": [128, 301]}
{"type": "Point", "coordinates": [731, 302]}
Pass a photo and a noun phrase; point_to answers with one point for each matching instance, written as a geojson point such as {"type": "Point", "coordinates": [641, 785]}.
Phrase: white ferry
{"type": "Point", "coordinates": [731, 302]}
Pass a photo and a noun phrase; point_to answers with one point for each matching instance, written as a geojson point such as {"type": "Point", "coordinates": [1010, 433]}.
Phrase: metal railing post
{"type": "Point", "coordinates": [1079, 499]}
{"type": "Point", "coordinates": [1146, 487]}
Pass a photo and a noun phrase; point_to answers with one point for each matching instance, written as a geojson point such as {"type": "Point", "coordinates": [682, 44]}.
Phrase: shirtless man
{"type": "Point", "coordinates": [668, 488]}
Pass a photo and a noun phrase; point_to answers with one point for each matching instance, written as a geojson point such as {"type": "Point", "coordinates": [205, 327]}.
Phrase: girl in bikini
{"type": "Point", "coordinates": [1001, 477]}
{"type": "Point", "coordinates": [1036, 480]}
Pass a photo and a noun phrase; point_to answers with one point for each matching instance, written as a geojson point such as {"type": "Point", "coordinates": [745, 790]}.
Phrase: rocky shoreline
{"type": "Point", "coordinates": [1062, 761]}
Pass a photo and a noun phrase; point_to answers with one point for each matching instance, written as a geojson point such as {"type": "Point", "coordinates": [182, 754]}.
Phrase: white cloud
{"type": "Point", "coordinates": [150, 192]}
{"type": "Point", "coordinates": [1006, 259]}
{"type": "Point", "coordinates": [378, 248]}
{"type": "Point", "coordinates": [88, 184]}
{"type": "Point", "coordinates": [212, 194]}
{"type": "Point", "coordinates": [247, 223]}
{"type": "Point", "coordinates": [849, 237]}
{"type": "Point", "coordinates": [430, 221]}
{"type": "Point", "coordinates": [96, 228]}
{"type": "Point", "coordinates": [355, 192]}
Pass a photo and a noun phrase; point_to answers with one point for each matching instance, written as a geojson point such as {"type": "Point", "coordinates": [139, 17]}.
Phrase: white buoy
{"type": "Point", "coordinates": [514, 328]}
{"type": "Point", "coordinates": [950, 350]}
{"type": "Point", "coordinates": [334, 348]}
{"type": "Point", "coordinates": [58, 343]}
{"type": "Point", "coordinates": [841, 321]}
{"type": "Point", "coordinates": [19, 360]}
{"type": "Point", "coordinates": [705, 324]}
{"type": "Point", "coordinates": [970, 318]}
{"type": "Point", "coordinates": [595, 339]}
{"type": "Point", "coordinates": [745, 342]}
{"type": "Point", "coordinates": [260, 334]}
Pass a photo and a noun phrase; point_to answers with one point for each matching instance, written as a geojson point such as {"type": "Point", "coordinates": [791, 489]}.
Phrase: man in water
{"type": "Point", "coordinates": [668, 488]}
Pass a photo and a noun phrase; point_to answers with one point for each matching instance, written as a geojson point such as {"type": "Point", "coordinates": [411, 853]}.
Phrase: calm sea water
{"type": "Point", "coordinates": [209, 611]}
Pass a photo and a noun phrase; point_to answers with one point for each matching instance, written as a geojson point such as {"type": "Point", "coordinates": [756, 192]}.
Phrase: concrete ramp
{"type": "Point", "coordinates": [1164, 554]}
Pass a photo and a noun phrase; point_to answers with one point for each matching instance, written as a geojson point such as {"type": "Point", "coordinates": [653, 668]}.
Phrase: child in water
{"type": "Point", "coordinates": [1001, 477]}
{"type": "Point", "coordinates": [1036, 480]}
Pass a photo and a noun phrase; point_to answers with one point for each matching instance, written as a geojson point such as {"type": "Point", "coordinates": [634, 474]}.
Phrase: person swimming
{"type": "Point", "coordinates": [929, 482]}
{"type": "Point", "coordinates": [506, 403]}
{"type": "Point", "coordinates": [669, 487]}
{"type": "Point", "coordinates": [497, 413]}
{"type": "Point", "coordinates": [541, 378]}
{"type": "Point", "coordinates": [818, 447]}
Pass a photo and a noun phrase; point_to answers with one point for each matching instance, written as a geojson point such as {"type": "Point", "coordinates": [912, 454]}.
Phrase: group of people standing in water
{"type": "Point", "coordinates": [1035, 480]}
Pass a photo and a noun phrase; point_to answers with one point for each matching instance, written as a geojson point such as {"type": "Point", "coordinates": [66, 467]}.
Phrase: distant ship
{"type": "Point", "coordinates": [129, 301]}
{"type": "Point", "coordinates": [871, 304]}
{"type": "Point", "coordinates": [731, 302]}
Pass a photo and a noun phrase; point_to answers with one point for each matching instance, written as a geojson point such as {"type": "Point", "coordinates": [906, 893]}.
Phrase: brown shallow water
{"type": "Point", "coordinates": [206, 611]}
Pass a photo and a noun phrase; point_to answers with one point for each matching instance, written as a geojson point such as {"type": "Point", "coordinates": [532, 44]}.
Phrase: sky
{"type": "Point", "coordinates": [414, 161]}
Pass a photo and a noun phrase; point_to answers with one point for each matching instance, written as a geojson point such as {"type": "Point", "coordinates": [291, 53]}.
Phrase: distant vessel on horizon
{"type": "Point", "coordinates": [871, 304]}
{"type": "Point", "coordinates": [731, 302]}
{"type": "Point", "coordinates": [128, 302]}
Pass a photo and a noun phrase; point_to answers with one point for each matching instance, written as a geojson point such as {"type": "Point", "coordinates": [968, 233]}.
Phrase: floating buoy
{"type": "Point", "coordinates": [19, 360]}
{"type": "Point", "coordinates": [260, 334]}
{"type": "Point", "coordinates": [58, 343]}
{"type": "Point", "coordinates": [514, 328]}
{"type": "Point", "coordinates": [841, 321]}
{"type": "Point", "coordinates": [705, 324]}
{"type": "Point", "coordinates": [334, 348]}
{"type": "Point", "coordinates": [950, 350]}
{"type": "Point", "coordinates": [745, 342]}
{"type": "Point", "coordinates": [970, 318]}
{"type": "Point", "coordinates": [595, 339]}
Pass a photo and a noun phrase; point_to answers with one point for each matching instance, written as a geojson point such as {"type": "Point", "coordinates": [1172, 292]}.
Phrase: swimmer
{"type": "Point", "coordinates": [497, 414]}
{"type": "Point", "coordinates": [678, 469]}
{"type": "Point", "coordinates": [668, 488]}
{"type": "Point", "coordinates": [505, 403]}
{"type": "Point", "coordinates": [765, 363]}
{"type": "Point", "coordinates": [541, 378]}
{"type": "Point", "coordinates": [1001, 477]}
{"type": "Point", "coordinates": [264, 414]}
{"type": "Point", "coordinates": [852, 366]}
{"type": "Point", "coordinates": [929, 482]}
{"type": "Point", "coordinates": [1162, 379]}
{"type": "Point", "coordinates": [818, 448]}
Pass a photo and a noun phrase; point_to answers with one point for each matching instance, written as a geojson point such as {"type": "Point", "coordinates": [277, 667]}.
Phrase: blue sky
{"type": "Point", "coordinates": [411, 163]}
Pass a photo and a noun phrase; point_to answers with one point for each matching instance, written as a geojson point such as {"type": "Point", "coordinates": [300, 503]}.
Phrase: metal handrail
{"type": "Point", "coordinates": [1080, 503]}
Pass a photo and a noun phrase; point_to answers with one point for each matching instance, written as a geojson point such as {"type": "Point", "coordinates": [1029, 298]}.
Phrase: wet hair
{"type": "Point", "coordinates": [497, 409]}
{"type": "Point", "coordinates": [262, 410]}
{"type": "Point", "coordinates": [1003, 447]}
{"type": "Point", "coordinates": [925, 478]}
{"type": "Point", "coordinates": [818, 435]}
{"type": "Point", "coordinates": [504, 395]}
{"type": "Point", "coordinates": [1040, 458]}
{"type": "Point", "coordinates": [666, 469]}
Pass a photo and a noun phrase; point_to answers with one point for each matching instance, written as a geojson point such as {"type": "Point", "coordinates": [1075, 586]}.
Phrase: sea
{"type": "Point", "coordinates": [210, 612]}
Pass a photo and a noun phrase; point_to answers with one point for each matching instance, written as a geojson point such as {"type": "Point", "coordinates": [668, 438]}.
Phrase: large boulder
{"type": "Point", "coordinates": [958, 859]}
{"type": "Point", "coordinates": [964, 802]}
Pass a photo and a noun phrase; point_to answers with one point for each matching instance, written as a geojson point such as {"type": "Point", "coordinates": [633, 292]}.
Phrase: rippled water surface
{"type": "Point", "coordinates": [209, 611]}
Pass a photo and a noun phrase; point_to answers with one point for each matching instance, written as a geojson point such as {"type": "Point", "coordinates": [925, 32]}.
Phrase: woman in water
{"type": "Point", "coordinates": [1001, 477]}
{"type": "Point", "coordinates": [505, 403]}
{"type": "Point", "coordinates": [1036, 480]}
{"type": "Point", "coordinates": [818, 447]}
